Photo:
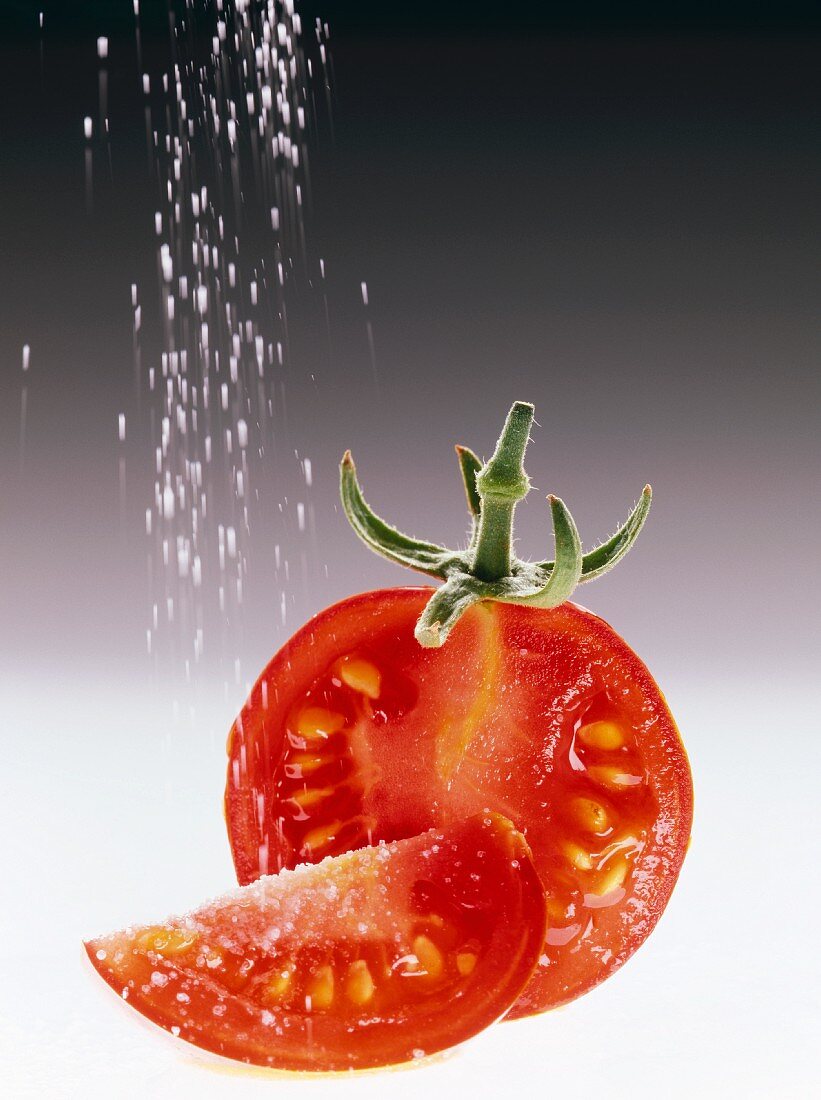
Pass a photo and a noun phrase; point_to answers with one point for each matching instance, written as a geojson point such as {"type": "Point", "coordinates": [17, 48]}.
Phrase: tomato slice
{"type": "Point", "coordinates": [355, 733]}
{"type": "Point", "coordinates": [373, 958]}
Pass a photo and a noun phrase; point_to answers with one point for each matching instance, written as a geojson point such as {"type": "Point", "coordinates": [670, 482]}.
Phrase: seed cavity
{"type": "Point", "coordinates": [279, 983]}
{"type": "Point", "coordinates": [614, 778]}
{"type": "Point", "coordinates": [612, 877]}
{"type": "Point", "coordinates": [306, 763]}
{"type": "Point", "coordinates": [321, 836]}
{"type": "Point", "coordinates": [361, 676]}
{"type": "Point", "coordinates": [318, 723]}
{"type": "Point", "coordinates": [465, 963]}
{"type": "Point", "coordinates": [430, 957]}
{"type": "Point", "coordinates": [590, 815]}
{"type": "Point", "coordinates": [601, 735]}
{"type": "Point", "coordinates": [167, 941]}
{"type": "Point", "coordinates": [320, 989]}
{"type": "Point", "coordinates": [359, 984]}
{"type": "Point", "coordinates": [577, 856]}
{"type": "Point", "coordinates": [311, 796]}
{"type": "Point", "coordinates": [556, 909]}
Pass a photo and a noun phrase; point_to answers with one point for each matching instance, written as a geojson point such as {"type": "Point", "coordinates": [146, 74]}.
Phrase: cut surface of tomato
{"type": "Point", "coordinates": [376, 957]}
{"type": "Point", "coordinates": [355, 733]}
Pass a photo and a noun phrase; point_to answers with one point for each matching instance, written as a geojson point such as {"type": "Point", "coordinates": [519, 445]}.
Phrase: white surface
{"type": "Point", "coordinates": [109, 814]}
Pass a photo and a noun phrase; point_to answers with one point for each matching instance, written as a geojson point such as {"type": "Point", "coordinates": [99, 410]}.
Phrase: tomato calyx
{"type": "Point", "coordinates": [489, 569]}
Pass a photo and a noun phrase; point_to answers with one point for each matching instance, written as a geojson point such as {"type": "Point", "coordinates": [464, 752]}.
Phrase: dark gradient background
{"type": "Point", "coordinates": [618, 219]}
{"type": "Point", "coordinates": [622, 229]}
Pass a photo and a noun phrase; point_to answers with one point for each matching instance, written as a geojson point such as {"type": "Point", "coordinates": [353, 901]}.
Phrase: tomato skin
{"type": "Point", "coordinates": [487, 720]}
{"type": "Point", "coordinates": [335, 966]}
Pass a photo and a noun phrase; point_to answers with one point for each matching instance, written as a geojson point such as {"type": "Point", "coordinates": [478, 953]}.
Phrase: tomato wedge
{"type": "Point", "coordinates": [373, 958]}
{"type": "Point", "coordinates": [355, 733]}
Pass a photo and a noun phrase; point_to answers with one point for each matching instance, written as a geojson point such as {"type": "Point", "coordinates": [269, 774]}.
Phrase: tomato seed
{"type": "Point", "coordinates": [359, 986]}
{"type": "Point", "coordinates": [318, 723]}
{"type": "Point", "coordinates": [320, 992]}
{"type": "Point", "coordinates": [429, 956]}
{"type": "Point", "coordinates": [591, 815]}
{"type": "Point", "coordinates": [614, 778]}
{"type": "Point", "coordinates": [601, 735]}
{"type": "Point", "coordinates": [361, 676]}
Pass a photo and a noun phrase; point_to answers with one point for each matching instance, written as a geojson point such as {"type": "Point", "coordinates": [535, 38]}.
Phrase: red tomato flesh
{"type": "Point", "coordinates": [355, 733]}
{"type": "Point", "coordinates": [373, 958]}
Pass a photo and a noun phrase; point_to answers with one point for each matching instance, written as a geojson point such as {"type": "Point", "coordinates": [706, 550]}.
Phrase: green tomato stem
{"type": "Point", "coordinates": [501, 484]}
{"type": "Point", "coordinates": [488, 569]}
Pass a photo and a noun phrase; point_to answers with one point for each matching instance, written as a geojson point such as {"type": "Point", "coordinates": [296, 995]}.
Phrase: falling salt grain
{"type": "Point", "coordinates": [102, 48]}
{"type": "Point", "coordinates": [364, 293]}
{"type": "Point", "coordinates": [166, 263]}
{"type": "Point", "coordinates": [257, 81]}
{"type": "Point", "coordinates": [26, 356]}
{"type": "Point", "coordinates": [88, 128]}
{"type": "Point", "coordinates": [121, 427]}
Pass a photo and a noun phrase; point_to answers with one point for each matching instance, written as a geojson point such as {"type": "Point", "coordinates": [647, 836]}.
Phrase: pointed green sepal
{"type": "Point", "coordinates": [470, 465]}
{"type": "Point", "coordinates": [445, 607]}
{"type": "Point", "coordinates": [601, 560]}
{"type": "Point", "coordinates": [566, 569]}
{"type": "Point", "coordinates": [379, 536]}
{"type": "Point", "coordinates": [604, 557]}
